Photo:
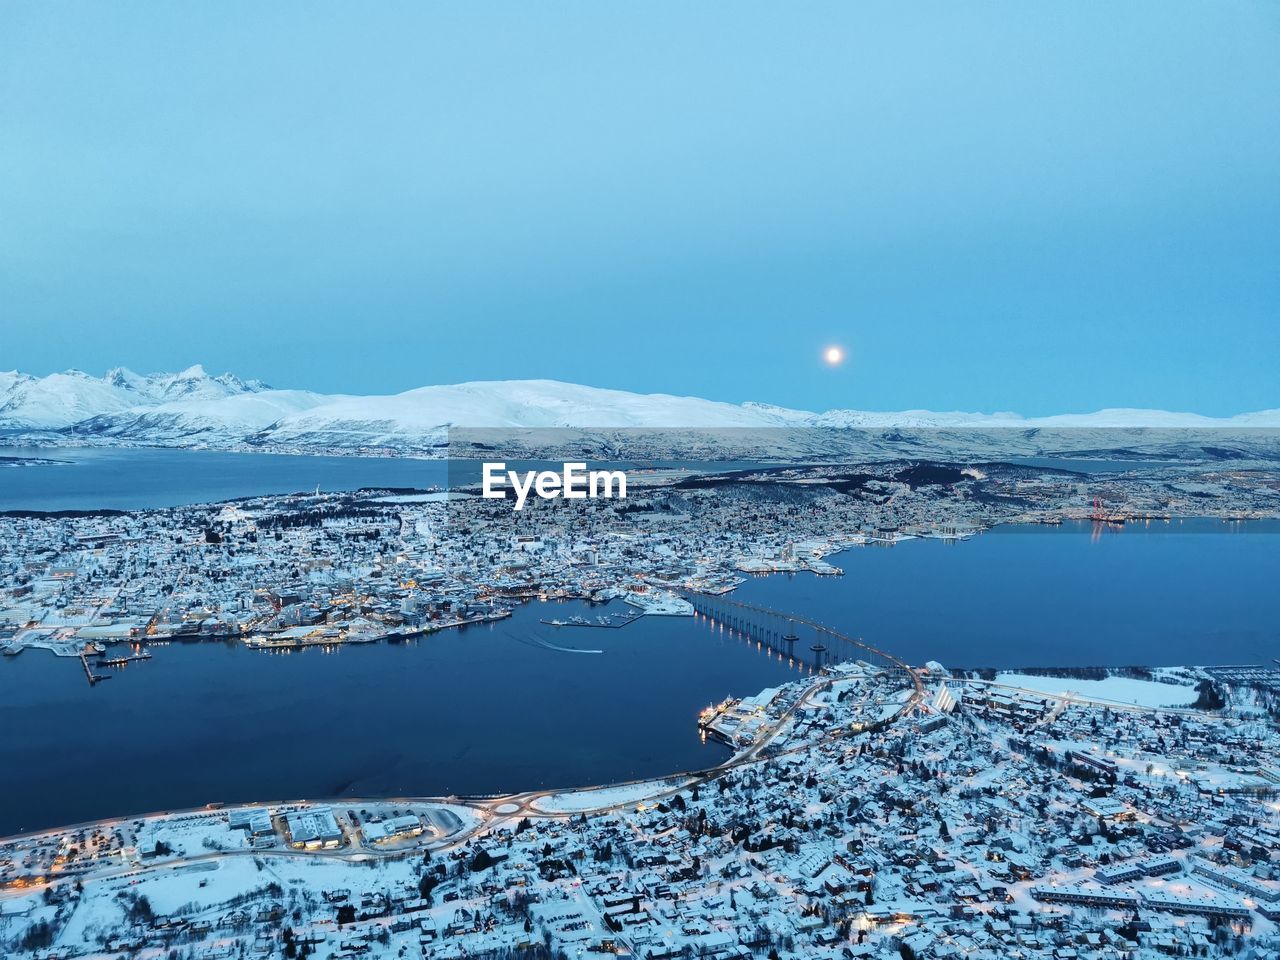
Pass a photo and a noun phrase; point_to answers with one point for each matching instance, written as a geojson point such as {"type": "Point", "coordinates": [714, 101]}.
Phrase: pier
{"type": "Point", "coordinates": [91, 659]}
{"type": "Point", "coordinates": [602, 623]}
{"type": "Point", "coordinates": [88, 669]}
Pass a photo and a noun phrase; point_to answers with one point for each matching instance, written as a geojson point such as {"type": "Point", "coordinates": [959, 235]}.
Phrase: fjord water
{"type": "Point", "coordinates": [1196, 591]}
{"type": "Point", "coordinates": [105, 478]}
{"type": "Point", "coordinates": [500, 707]}
{"type": "Point", "coordinates": [91, 478]}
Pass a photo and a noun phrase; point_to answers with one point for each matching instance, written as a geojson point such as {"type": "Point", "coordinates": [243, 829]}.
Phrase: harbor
{"type": "Point", "coordinates": [94, 656]}
{"type": "Point", "coordinates": [605, 621]}
{"type": "Point", "coordinates": [517, 686]}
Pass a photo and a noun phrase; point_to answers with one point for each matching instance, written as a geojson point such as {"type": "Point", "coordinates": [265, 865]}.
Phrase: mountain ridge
{"type": "Point", "coordinates": [193, 408]}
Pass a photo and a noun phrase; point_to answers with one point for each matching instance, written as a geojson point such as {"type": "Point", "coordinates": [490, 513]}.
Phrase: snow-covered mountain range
{"type": "Point", "coordinates": [63, 399]}
{"type": "Point", "coordinates": [192, 408]}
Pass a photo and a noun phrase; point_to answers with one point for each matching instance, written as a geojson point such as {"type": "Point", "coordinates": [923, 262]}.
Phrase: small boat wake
{"type": "Point", "coordinates": [539, 642]}
{"type": "Point", "coordinates": [561, 649]}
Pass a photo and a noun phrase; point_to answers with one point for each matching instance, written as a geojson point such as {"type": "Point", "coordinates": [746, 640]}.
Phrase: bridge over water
{"type": "Point", "coordinates": [794, 636]}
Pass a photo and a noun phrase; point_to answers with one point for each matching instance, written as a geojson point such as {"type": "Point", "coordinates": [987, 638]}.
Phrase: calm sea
{"type": "Point", "coordinates": [84, 478]}
{"type": "Point", "coordinates": [1183, 592]}
{"type": "Point", "coordinates": [500, 707]}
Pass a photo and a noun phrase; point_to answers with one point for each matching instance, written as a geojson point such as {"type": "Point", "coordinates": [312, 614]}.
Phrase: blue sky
{"type": "Point", "coordinates": [1036, 207]}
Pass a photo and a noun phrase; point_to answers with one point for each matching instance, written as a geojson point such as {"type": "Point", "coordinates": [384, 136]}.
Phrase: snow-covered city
{"type": "Point", "coordinates": [664, 481]}
{"type": "Point", "coordinates": [867, 811]}
{"type": "Point", "coordinates": [871, 807]}
{"type": "Point", "coordinates": [326, 568]}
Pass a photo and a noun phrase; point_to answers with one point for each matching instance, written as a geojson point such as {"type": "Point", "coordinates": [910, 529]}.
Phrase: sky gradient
{"type": "Point", "coordinates": [1045, 208]}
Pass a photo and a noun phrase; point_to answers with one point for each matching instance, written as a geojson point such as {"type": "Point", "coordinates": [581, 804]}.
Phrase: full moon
{"type": "Point", "coordinates": [833, 355]}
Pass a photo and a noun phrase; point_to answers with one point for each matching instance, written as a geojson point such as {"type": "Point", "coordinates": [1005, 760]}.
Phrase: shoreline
{"type": "Point", "coordinates": [494, 809]}
{"type": "Point", "coordinates": [739, 755]}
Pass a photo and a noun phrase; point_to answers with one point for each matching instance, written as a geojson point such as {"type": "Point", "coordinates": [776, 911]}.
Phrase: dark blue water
{"type": "Point", "coordinates": [144, 479]}
{"type": "Point", "coordinates": [1184, 592]}
{"type": "Point", "coordinates": [477, 710]}
{"type": "Point", "coordinates": [89, 478]}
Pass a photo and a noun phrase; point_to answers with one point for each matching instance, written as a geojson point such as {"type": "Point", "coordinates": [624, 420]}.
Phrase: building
{"type": "Point", "coordinates": [1237, 879]}
{"type": "Point", "coordinates": [1086, 897]}
{"type": "Point", "coordinates": [314, 829]}
{"type": "Point", "coordinates": [254, 821]}
{"type": "Point", "coordinates": [395, 828]}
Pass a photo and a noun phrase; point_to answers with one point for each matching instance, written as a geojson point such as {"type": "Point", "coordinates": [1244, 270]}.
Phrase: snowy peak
{"type": "Point", "coordinates": [124, 378]}
{"type": "Point", "coordinates": [57, 400]}
{"type": "Point", "coordinates": [194, 382]}
{"type": "Point", "coordinates": [1111, 418]}
{"type": "Point", "coordinates": [192, 407]}
{"type": "Point", "coordinates": [417, 419]}
{"type": "Point", "coordinates": [63, 399]}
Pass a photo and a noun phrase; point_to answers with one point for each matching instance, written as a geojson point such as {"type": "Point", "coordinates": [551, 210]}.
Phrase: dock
{"type": "Point", "coordinates": [603, 623]}
{"type": "Point", "coordinates": [94, 659]}
{"type": "Point", "coordinates": [88, 670]}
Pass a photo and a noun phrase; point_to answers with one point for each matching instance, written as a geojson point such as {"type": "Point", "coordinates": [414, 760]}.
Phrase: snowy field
{"type": "Point", "coordinates": [606, 797]}
{"type": "Point", "coordinates": [1127, 690]}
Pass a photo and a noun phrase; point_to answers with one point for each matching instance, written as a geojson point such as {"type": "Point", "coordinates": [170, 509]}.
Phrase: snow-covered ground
{"type": "Point", "coordinates": [605, 797]}
{"type": "Point", "coordinates": [193, 407]}
{"type": "Point", "coordinates": [665, 604]}
{"type": "Point", "coordinates": [1128, 690]}
{"type": "Point", "coordinates": [62, 399]}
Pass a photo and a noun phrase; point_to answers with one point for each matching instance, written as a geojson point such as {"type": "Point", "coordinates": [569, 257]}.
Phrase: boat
{"type": "Point", "coordinates": [273, 643]}
{"type": "Point", "coordinates": [363, 631]}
